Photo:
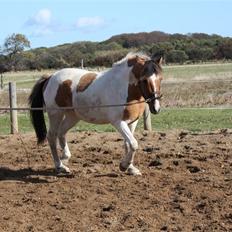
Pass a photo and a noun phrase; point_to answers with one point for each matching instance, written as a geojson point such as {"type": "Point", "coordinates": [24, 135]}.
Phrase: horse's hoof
{"type": "Point", "coordinates": [133, 171]}
{"type": "Point", "coordinates": [64, 160]}
{"type": "Point", "coordinates": [122, 167]}
{"type": "Point", "coordinates": [63, 170]}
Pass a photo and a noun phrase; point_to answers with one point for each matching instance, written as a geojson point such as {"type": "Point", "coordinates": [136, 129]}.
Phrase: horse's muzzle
{"type": "Point", "coordinates": [154, 106]}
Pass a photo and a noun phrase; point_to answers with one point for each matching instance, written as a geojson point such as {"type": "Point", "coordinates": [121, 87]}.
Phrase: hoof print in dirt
{"type": "Point", "coordinates": [156, 162]}
{"type": "Point", "coordinates": [107, 208]}
{"type": "Point", "coordinates": [164, 228]}
{"type": "Point", "coordinates": [162, 136]}
{"type": "Point", "coordinates": [175, 162]}
{"type": "Point", "coordinates": [182, 134]}
{"type": "Point", "coordinates": [151, 149]}
{"type": "Point", "coordinates": [193, 169]}
{"type": "Point", "coordinates": [148, 149]}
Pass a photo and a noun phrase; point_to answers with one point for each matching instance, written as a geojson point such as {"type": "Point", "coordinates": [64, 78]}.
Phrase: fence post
{"type": "Point", "coordinates": [147, 118]}
{"type": "Point", "coordinates": [2, 81]}
{"type": "Point", "coordinates": [13, 104]}
{"type": "Point", "coordinates": [82, 63]}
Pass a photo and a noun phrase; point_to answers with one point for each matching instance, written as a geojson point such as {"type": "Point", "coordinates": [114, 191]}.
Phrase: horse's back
{"type": "Point", "coordinates": [61, 84]}
{"type": "Point", "coordinates": [73, 74]}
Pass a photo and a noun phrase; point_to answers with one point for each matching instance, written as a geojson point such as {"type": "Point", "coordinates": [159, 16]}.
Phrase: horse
{"type": "Point", "coordinates": [116, 96]}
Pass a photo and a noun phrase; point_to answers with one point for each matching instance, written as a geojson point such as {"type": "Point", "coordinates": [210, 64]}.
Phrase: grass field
{"type": "Point", "coordinates": [201, 85]}
{"type": "Point", "coordinates": [172, 73]}
{"type": "Point", "coordinates": [198, 72]}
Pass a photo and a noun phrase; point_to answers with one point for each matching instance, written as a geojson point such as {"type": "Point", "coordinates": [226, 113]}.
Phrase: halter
{"type": "Point", "coordinates": [154, 96]}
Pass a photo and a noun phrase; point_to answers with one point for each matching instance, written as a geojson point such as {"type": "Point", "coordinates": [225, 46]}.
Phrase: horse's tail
{"type": "Point", "coordinates": [36, 100]}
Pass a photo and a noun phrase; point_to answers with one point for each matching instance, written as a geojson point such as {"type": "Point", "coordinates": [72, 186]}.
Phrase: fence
{"type": "Point", "coordinates": [14, 116]}
{"type": "Point", "coordinates": [147, 121]}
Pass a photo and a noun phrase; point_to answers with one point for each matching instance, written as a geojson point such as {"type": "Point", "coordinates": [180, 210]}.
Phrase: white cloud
{"type": "Point", "coordinates": [41, 23]}
{"type": "Point", "coordinates": [42, 18]}
{"type": "Point", "coordinates": [85, 22]}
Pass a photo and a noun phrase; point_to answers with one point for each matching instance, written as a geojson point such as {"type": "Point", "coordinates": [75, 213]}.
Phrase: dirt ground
{"type": "Point", "coordinates": [186, 184]}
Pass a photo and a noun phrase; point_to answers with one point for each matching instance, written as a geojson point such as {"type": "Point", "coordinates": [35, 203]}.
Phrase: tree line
{"type": "Point", "coordinates": [15, 53]}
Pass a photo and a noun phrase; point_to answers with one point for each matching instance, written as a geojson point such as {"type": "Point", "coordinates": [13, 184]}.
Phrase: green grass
{"type": "Point", "coordinates": [194, 120]}
{"type": "Point", "coordinates": [24, 79]}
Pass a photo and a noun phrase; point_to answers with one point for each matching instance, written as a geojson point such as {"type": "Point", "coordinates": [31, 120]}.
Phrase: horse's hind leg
{"type": "Point", "coordinates": [54, 122]}
{"type": "Point", "coordinates": [68, 122]}
{"type": "Point", "coordinates": [131, 146]}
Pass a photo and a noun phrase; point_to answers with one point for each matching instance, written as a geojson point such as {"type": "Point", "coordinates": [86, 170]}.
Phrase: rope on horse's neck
{"type": "Point", "coordinates": [148, 100]}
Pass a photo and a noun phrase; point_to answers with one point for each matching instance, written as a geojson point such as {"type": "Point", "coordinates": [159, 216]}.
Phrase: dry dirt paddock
{"type": "Point", "coordinates": [186, 184]}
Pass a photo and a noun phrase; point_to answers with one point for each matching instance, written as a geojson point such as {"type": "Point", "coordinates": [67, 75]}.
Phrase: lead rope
{"type": "Point", "coordinates": [148, 100]}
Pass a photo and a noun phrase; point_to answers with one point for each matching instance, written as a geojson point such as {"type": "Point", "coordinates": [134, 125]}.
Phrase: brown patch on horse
{"type": "Point", "coordinates": [138, 65]}
{"type": "Point", "coordinates": [64, 94]}
{"type": "Point", "coordinates": [86, 81]}
{"type": "Point", "coordinates": [132, 112]}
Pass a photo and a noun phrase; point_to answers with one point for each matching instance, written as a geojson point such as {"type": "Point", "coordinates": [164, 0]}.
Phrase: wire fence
{"type": "Point", "coordinates": [13, 108]}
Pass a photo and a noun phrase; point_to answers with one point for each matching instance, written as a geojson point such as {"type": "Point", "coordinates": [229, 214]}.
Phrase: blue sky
{"type": "Point", "coordinates": [53, 22]}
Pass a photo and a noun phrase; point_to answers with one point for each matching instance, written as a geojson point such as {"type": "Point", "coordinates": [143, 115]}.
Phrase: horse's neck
{"type": "Point", "coordinates": [124, 83]}
{"type": "Point", "coordinates": [114, 82]}
{"type": "Point", "coordinates": [121, 73]}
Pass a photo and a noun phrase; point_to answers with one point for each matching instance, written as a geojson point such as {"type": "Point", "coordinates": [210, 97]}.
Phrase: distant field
{"type": "Point", "coordinates": [204, 85]}
{"type": "Point", "coordinates": [198, 72]}
{"type": "Point", "coordinates": [24, 79]}
{"type": "Point", "coordinates": [172, 73]}
{"type": "Point", "coordinates": [183, 85]}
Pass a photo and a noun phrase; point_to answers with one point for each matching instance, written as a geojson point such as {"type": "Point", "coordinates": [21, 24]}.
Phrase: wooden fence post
{"type": "Point", "coordinates": [82, 63]}
{"type": "Point", "coordinates": [147, 119]}
{"type": "Point", "coordinates": [13, 104]}
{"type": "Point", "coordinates": [2, 81]}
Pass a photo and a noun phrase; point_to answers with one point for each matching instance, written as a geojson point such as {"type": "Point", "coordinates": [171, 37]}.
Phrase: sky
{"type": "Point", "coordinates": [49, 23]}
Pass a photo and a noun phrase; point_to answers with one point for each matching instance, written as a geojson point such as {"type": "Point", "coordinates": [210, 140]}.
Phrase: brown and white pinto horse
{"type": "Point", "coordinates": [130, 80]}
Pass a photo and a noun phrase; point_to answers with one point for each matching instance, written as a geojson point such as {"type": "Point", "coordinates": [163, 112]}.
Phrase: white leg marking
{"type": "Point", "coordinates": [132, 170]}
{"type": "Point", "coordinates": [131, 146]}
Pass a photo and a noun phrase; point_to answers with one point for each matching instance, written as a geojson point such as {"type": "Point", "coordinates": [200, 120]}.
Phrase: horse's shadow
{"type": "Point", "coordinates": [27, 175]}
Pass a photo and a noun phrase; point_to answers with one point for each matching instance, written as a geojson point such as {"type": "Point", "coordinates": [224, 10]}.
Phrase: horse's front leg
{"type": "Point", "coordinates": [131, 147]}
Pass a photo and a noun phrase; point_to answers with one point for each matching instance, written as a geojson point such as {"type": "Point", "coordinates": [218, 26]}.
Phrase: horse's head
{"type": "Point", "coordinates": [148, 73]}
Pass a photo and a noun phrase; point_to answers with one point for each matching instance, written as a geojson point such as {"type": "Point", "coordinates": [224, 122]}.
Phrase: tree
{"type": "Point", "coordinates": [176, 56]}
{"type": "Point", "coordinates": [12, 48]}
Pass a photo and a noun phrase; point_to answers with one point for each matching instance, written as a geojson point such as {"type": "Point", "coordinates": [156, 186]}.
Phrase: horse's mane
{"type": "Point", "coordinates": [130, 55]}
{"type": "Point", "coordinates": [118, 64]}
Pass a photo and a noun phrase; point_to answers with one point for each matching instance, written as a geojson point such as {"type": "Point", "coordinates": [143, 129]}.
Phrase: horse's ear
{"type": "Point", "coordinates": [157, 58]}
{"type": "Point", "coordinates": [132, 61]}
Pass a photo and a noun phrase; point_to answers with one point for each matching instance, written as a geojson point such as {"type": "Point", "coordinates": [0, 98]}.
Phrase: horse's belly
{"type": "Point", "coordinates": [93, 116]}
{"type": "Point", "coordinates": [96, 108]}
